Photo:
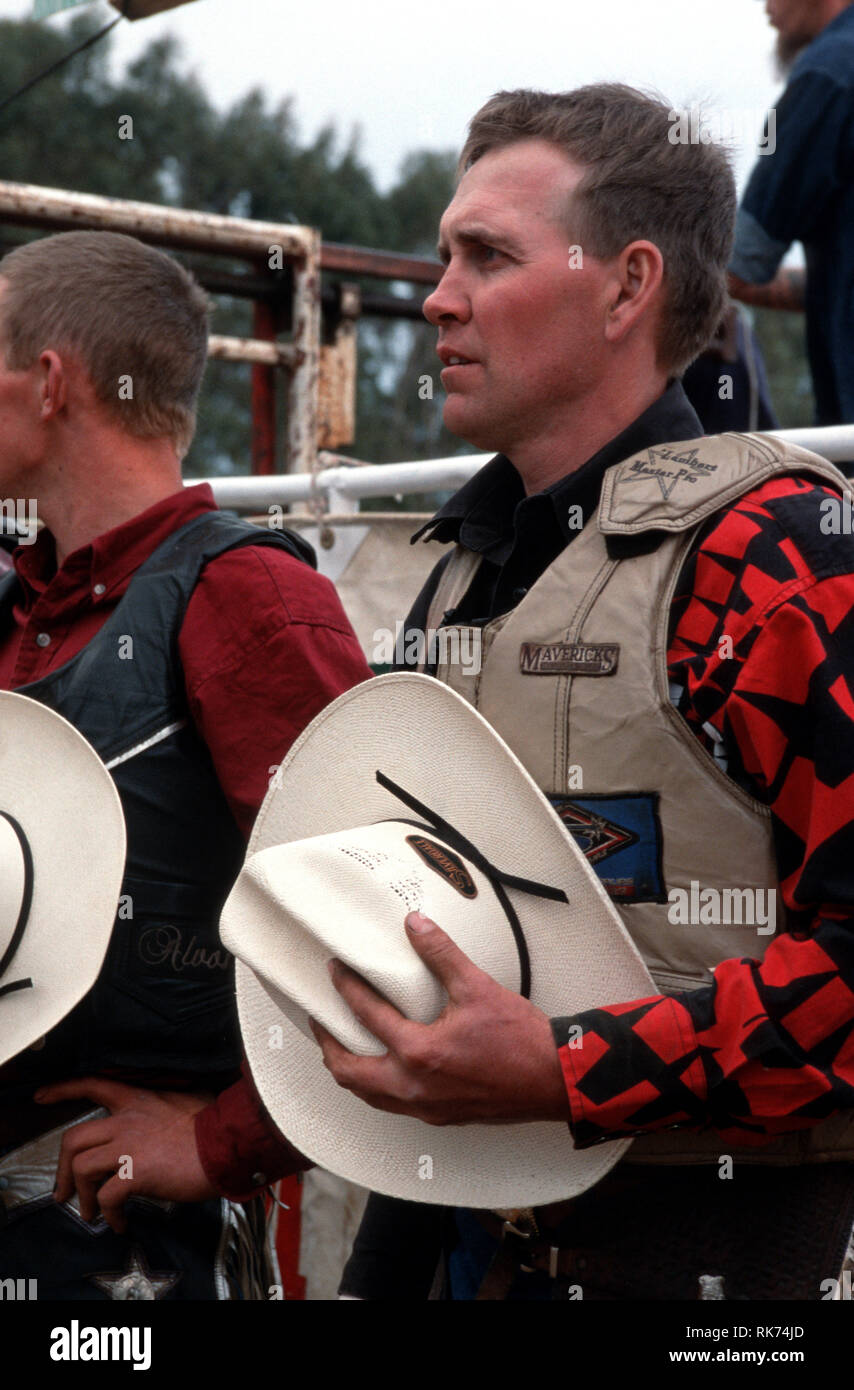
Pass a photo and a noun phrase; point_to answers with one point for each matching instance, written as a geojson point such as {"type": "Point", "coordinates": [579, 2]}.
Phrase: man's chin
{"type": "Point", "coordinates": [786, 50]}
{"type": "Point", "coordinates": [465, 424]}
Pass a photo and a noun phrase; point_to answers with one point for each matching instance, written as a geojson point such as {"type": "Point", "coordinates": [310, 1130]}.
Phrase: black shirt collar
{"type": "Point", "coordinates": [486, 512]}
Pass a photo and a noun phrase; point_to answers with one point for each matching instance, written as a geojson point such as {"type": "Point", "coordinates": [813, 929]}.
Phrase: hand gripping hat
{"type": "Point", "coordinates": [400, 797]}
{"type": "Point", "coordinates": [62, 854]}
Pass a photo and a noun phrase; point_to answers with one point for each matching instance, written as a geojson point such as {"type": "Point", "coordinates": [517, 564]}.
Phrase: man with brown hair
{"type": "Point", "coordinates": [585, 255]}
{"type": "Point", "coordinates": [191, 649]}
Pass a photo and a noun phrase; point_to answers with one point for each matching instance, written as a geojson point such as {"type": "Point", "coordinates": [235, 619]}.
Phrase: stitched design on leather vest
{"type": "Point", "coordinates": [689, 467]}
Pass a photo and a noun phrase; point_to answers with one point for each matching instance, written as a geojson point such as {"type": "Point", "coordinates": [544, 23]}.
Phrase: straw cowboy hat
{"type": "Point", "coordinates": [62, 853]}
{"type": "Point", "coordinates": [399, 796]}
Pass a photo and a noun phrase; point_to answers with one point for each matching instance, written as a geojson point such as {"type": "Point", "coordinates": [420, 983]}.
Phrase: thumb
{"type": "Point", "coordinates": [448, 963]}
{"type": "Point", "coordinates": [110, 1094]}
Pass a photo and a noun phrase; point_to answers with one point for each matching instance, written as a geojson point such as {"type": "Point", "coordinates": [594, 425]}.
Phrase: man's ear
{"type": "Point", "coordinates": [639, 273]}
{"type": "Point", "coordinates": [53, 384]}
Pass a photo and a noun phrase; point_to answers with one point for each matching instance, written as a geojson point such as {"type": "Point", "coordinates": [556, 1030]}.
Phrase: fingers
{"type": "Point", "coordinates": [87, 1156]}
{"type": "Point", "coordinates": [460, 976]}
{"type": "Point", "coordinates": [379, 1016]}
{"type": "Point", "coordinates": [88, 1172]}
{"type": "Point", "coordinates": [452, 967]}
{"type": "Point", "coordinates": [75, 1141]}
{"type": "Point", "coordinates": [111, 1199]}
{"type": "Point", "coordinates": [385, 1083]}
{"type": "Point", "coordinates": [110, 1094]}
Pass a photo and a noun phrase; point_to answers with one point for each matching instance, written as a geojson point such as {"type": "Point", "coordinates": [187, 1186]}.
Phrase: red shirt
{"type": "Point", "coordinates": [264, 645]}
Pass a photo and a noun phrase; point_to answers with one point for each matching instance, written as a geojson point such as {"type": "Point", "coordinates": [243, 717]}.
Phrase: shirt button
{"type": "Point", "coordinates": [99, 589]}
{"type": "Point", "coordinates": [43, 640]}
{"type": "Point", "coordinates": [259, 1179]}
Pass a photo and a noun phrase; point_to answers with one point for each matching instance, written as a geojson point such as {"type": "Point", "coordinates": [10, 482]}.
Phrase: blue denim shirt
{"type": "Point", "coordinates": [804, 191]}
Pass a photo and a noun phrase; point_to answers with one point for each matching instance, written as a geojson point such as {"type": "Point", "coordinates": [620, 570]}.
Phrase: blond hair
{"type": "Point", "coordinates": [126, 310]}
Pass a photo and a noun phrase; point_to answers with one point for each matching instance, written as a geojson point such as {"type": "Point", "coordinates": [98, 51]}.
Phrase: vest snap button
{"type": "Point", "coordinates": [43, 640]}
{"type": "Point", "coordinates": [99, 589]}
{"type": "Point", "coordinates": [259, 1179]}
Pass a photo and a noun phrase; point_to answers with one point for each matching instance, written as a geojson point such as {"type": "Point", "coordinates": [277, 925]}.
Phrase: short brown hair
{"type": "Point", "coordinates": [640, 184]}
{"type": "Point", "coordinates": [123, 308]}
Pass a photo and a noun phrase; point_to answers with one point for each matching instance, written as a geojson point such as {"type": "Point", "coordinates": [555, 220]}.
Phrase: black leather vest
{"type": "Point", "coordinates": [164, 1001]}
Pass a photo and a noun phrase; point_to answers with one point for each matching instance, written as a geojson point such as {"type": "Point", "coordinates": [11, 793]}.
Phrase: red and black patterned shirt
{"type": "Point", "coordinates": [768, 1047]}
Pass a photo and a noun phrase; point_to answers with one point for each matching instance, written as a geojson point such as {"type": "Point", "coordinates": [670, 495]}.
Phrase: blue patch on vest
{"type": "Point", "coordinates": [621, 839]}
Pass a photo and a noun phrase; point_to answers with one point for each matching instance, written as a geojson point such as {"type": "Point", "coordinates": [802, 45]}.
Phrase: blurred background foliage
{"type": "Point", "coordinates": [251, 160]}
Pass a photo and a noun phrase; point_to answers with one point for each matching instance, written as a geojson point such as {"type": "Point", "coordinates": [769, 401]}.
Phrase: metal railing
{"type": "Point", "coordinates": [319, 367]}
{"type": "Point", "coordinates": [343, 485]}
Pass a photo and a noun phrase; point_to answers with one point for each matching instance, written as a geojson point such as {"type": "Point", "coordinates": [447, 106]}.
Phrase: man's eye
{"type": "Point", "coordinates": [488, 253]}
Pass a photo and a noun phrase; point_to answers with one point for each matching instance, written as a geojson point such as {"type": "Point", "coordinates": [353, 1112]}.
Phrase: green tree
{"type": "Point", "coordinates": [248, 160]}
{"type": "Point", "coordinates": [782, 338]}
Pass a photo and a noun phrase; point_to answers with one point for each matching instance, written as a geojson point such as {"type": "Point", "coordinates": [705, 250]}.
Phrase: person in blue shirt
{"type": "Point", "coordinates": [802, 189]}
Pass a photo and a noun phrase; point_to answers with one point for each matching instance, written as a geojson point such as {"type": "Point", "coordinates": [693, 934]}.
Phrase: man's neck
{"type": "Point", "coordinates": [79, 501]}
{"type": "Point", "coordinates": [543, 460]}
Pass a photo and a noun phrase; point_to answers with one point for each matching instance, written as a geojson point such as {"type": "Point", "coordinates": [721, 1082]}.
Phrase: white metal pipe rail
{"type": "Point", "coordinates": [835, 442]}
{"type": "Point", "coordinates": [31, 205]}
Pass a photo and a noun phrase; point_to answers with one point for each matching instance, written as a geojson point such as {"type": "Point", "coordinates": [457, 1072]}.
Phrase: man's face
{"type": "Point", "coordinates": [514, 304]}
{"type": "Point", "coordinates": [797, 23]}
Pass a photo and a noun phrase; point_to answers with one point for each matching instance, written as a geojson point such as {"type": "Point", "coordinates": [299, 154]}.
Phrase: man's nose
{"type": "Point", "coordinates": [448, 300]}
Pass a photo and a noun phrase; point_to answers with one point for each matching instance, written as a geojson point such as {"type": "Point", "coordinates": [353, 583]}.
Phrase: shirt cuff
{"type": "Point", "coordinates": [239, 1147]}
{"type": "Point", "coordinates": [630, 1069]}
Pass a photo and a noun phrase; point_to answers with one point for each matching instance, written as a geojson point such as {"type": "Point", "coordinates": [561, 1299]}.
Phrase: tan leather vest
{"type": "Point", "coordinates": [575, 680]}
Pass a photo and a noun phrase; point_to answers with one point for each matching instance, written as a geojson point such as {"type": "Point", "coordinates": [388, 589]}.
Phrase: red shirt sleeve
{"type": "Point", "coordinates": [239, 1147]}
{"type": "Point", "coordinates": [265, 645]}
{"type": "Point", "coordinates": [769, 1046]}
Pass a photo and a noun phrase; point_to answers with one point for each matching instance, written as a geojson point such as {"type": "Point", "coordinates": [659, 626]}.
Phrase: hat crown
{"type": "Point", "coordinates": [346, 895]}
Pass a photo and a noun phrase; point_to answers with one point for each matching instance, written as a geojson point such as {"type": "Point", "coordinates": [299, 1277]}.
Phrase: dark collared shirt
{"type": "Point", "coordinates": [518, 536]}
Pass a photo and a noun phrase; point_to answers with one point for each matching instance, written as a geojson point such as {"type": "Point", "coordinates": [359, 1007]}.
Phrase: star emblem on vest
{"type": "Point", "coordinates": [136, 1283]}
{"type": "Point", "coordinates": [670, 465]}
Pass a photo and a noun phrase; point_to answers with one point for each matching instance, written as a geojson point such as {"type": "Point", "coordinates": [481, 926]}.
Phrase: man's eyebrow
{"type": "Point", "coordinates": [477, 235]}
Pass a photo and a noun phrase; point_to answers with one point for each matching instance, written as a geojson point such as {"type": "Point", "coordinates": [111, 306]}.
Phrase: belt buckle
{"type": "Point", "coordinates": [513, 1224]}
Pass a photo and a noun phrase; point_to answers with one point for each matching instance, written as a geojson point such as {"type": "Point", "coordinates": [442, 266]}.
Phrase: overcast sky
{"type": "Point", "coordinates": [410, 74]}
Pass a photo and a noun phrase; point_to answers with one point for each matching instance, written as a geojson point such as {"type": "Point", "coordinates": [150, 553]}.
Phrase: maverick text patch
{"type": "Point", "coordinates": [569, 658]}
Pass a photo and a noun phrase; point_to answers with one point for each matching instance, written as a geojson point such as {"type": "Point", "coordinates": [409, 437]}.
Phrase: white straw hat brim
{"type": "Point", "coordinates": [433, 744]}
{"type": "Point", "coordinates": [55, 785]}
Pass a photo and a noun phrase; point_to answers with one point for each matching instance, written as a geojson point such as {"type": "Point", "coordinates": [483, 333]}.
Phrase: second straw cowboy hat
{"type": "Point", "coordinates": [62, 854]}
{"type": "Point", "coordinates": [399, 796]}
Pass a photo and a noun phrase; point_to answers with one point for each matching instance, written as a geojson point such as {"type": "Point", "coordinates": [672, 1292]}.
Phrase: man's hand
{"type": "Point", "coordinates": [489, 1056]}
{"type": "Point", "coordinates": [786, 291]}
{"type": "Point", "coordinates": [149, 1136]}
